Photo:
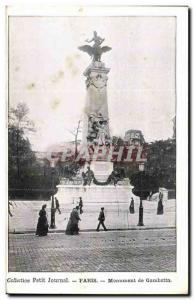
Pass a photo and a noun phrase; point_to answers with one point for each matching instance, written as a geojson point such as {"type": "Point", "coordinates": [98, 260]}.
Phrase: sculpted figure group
{"type": "Point", "coordinates": [96, 50]}
{"type": "Point", "coordinates": [98, 130]}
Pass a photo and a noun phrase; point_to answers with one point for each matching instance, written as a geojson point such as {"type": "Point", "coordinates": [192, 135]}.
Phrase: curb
{"type": "Point", "coordinates": [94, 230]}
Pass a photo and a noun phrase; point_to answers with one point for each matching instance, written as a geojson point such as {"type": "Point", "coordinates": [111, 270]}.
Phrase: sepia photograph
{"type": "Point", "coordinates": [93, 122]}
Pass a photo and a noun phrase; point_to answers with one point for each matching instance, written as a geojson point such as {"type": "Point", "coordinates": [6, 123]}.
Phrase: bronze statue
{"type": "Point", "coordinates": [97, 129]}
{"type": "Point", "coordinates": [88, 176]}
{"type": "Point", "coordinates": [96, 50]}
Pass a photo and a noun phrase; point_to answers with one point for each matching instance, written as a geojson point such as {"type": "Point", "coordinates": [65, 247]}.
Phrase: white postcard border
{"type": "Point", "coordinates": [179, 284]}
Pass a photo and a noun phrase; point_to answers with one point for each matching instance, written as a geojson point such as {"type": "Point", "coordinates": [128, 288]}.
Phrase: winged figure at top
{"type": "Point", "coordinates": [96, 50]}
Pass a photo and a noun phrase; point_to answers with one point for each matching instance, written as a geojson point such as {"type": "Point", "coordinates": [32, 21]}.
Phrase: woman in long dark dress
{"type": "Point", "coordinates": [160, 208]}
{"type": "Point", "coordinates": [72, 226]}
{"type": "Point", "coordinates": [42, 226]}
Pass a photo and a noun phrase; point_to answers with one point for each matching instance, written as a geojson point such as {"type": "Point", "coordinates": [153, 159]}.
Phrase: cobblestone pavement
{"type": "Point", "coordinates": [112, 251]}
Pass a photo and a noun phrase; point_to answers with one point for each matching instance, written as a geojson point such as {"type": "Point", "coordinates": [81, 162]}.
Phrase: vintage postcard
{"type": "Point", "coordinates": [97, 126]}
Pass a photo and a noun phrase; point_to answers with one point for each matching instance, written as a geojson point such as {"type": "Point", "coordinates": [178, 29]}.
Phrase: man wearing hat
{"type": "Point", "coordinates": [101, 219]}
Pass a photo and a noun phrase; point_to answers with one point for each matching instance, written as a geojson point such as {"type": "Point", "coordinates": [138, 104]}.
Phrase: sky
{"type": "Point", "coordinates": [46, 72]}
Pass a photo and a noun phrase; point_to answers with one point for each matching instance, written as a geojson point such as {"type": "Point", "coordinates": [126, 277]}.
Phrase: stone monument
{"type": "Point", "coordinates": [96, 133]}
{"type": "Point", "coordinates": [99, 184]}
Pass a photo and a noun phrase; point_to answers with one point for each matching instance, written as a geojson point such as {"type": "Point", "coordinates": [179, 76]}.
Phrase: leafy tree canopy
{"type": "Point", "coordinates": [161, 162]}
{"type": "Point", "coordinates": [144, 184]}
{"type": "Point", "coordinates": [25, 180]}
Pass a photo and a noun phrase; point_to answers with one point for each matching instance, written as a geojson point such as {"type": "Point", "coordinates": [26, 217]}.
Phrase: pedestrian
{"type": "Point", "coordinates": [9, 208]}
{"type": "Point", "coordinates": [131, 207]}
{"type": "Point", "coordinates": [57, 205]}
{"type": "Point", "coordinates": [80, 205]}
{"type": "Point", "coordinates": [101, 219]}
{"type": "Point", "coordinates": [42, 226]}
{"type": "Point", "coordinates": [160, 208]}
{"type": "Point", "coordinates": [72, 226]}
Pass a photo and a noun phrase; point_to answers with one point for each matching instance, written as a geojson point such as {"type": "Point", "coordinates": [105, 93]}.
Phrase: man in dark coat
{"type": "Point", "coordinates": [160, 209]}
{"type": "Point", "coordinates": [101, 219]}
{"type": "Point", "coordinates": [80, 205]}
{"type": "Point", "coordinates": [57, 205]}
{"type": "Point", "coordinates": [131, 207]}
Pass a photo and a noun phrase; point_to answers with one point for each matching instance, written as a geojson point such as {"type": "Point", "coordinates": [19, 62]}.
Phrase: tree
{"type": "Point", "coordinates": [144, 184]}
{"type": "Point", "coordinates": [21, 160]}
{"type": "Point", "coordinates": [75, 133]}
{"type": "Point", "coordinates": [19, 124]}
{"type": "Point", "coordinates": [160, 167]}
{"type": "Point", "coordinates": [20, 155]}
{"type": "Point", "coordinates": [161, 162]}
{"type": "Point", "coordinates": [24, 171]}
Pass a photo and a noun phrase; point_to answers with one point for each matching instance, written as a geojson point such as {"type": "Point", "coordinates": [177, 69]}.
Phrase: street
{"type": "Point", "coordinates": [147, 250]}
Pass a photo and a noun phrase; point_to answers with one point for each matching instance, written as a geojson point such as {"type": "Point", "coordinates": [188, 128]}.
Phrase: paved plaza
{"type": "Point", "coordinates": [25, 215]}
{"type": "Point", "coordinates": [147, 250]}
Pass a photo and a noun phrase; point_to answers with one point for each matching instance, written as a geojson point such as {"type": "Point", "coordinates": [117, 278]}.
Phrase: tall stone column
{"type": "Point", "coordinates": [96, 118]}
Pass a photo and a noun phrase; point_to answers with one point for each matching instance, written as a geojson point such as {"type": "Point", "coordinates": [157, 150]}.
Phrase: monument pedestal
{"type": "Point", "coordinates": [114, 199]}
{"type": "Point", "coordinates": [101, 169]}
{"type": "Point", "coordinates": [94, 194]}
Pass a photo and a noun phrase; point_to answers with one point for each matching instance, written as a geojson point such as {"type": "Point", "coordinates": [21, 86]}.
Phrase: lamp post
{"type": "Point", "coordinates": [140, 222]}
{"type": "Point", "coordinates": [52, 224]}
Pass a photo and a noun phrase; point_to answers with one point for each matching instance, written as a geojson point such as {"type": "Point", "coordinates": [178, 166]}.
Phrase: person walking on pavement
{"type": "Point", "coordinates": [160, 208]}
{"type": "Point", "coordinates": [57, 205]}
{"type": "Point", "coordinates": [101, 219]}
{"type": "Point", "coordinates": [9, 208]}
{"type": "Point", "coordinates": [42, 226]}
{"type": "Point", "coordinates": [80, 205]}
{"type": "Point", "coordinates": [131, 207]}
{"type": "Point", "coordinates": [72, 226]}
